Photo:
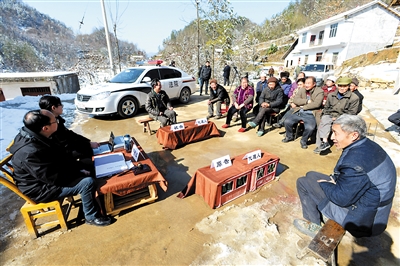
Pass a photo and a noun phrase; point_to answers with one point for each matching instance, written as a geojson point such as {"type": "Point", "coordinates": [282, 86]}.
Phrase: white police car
{"type": "Point", "coordinates": [125, 93]}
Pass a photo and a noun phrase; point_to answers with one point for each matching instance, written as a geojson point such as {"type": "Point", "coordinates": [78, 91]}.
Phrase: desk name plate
{"type": "Point", "coordinates": [252, 156]}
{"type": "Point", "coordinates": [135, 152]}
{"type": "Point", "coordinates": [201, 121]}
{"type": "Point", "coordinates": [177, 127]}
{"type": "Point", "coordinates": [221, 163]}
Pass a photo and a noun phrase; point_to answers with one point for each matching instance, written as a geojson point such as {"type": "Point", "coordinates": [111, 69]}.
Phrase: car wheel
{"type": "Point", "coordinates": [127, 107]}
{"type": "Point", "coordinates": [184, 96]}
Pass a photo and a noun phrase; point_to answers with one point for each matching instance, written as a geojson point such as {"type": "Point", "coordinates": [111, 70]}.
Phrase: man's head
{"type": "Point", "coordinates": [330, 81]}
{"type": "Point", "coordinates": [354, 84]}
{"type": "Point", "coordinates": [244, 82]}
{"type": "Point", "coordinates": [52, 104]}
{"type": "Point", "coordinates": [348, 129]}
{"type": "Point", "coordinates": [301, 75]}
{"type": "Point", "coordinates": [310, 83]}
{"type": "Point", "coordinates": [156, 85]}
{"type": "Point", "coordinates": [301, 82]}
{"type": "Point", "coordinates": [213, 84]}
{"type": "Point", "coordinates": [263, 76]}
{"type": "Point", "coordinates": [173, 62]}
{"type": "Point", "coordinates": [41, 121]}
{"type": "Point", "coordinates": [343, 84]}
{"type": "Point", "coordinates": [207, 63]}
{"type": "Point", "coordinates": [272, 81]}
{"type": "Point", "coordinates": [283, 79]}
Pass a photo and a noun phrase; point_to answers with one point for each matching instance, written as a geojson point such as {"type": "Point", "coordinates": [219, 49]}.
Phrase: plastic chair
{"type": "Point", "coordinates": [32, 211]}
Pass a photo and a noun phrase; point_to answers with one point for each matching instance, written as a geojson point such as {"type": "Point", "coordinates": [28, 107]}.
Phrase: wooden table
{"type": "Point", "coordinates": [192, 133]}
{"type": "Point", "coordinates": [220, 187]}
{"type": "Point", "coordinates": [126, 190]}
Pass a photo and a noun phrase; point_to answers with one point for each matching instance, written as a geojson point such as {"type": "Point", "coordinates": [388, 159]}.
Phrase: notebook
{"type": "Point", "coordinates": [109, 164]}
{"type": "Point", "coordinates": [114, 143]}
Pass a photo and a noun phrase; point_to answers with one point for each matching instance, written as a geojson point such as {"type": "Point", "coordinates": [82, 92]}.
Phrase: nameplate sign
{"type": "Point", "coordinates": [135, 152]}
{"type": "Point", "coordinates": [201, 121]}
{"type": "Point", "coordinates": [177, 127]}
{"type": "Point", "coordinates": [221, 163]}
{"type": "Point", "coordinates": [252, 156]}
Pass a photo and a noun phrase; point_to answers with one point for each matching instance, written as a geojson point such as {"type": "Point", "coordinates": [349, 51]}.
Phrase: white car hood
{"type": "Point", "coordinates": [101, 87]}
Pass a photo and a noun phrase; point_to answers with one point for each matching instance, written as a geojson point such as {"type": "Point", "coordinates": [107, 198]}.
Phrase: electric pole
{"type": "Point", "coordinates": [107, 37]}
{"type": "Point", "coordinates": [198, 35]}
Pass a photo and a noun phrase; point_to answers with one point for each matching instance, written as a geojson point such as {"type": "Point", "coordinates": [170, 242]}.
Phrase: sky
{"type": "Point", "coordinates": [145, 23]}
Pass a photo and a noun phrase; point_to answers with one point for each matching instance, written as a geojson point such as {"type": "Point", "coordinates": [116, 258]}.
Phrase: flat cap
{"type": "Point", "coordinates": [272, 79]}
{"type": "Point", "coordinates": [343, 81]}
{"type": "Point", "coordinates": [355, 81]}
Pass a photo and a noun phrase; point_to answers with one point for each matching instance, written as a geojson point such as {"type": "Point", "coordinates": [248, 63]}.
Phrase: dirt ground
{"type": "Point", "coordinates": [255, 229]}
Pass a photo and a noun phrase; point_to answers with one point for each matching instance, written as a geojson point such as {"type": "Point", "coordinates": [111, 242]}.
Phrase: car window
{"type": "Point", "coordinates": [127, 76]}
{"type": "Point", "coordinates": [314, 68]}
{"type": "Point", "coordinates": [152, 74]}
{"type": "Point", "coordinates": [167, 73]}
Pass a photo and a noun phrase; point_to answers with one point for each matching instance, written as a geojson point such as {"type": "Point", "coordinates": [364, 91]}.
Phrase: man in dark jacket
{"type": "Point", "coordinates": [270, 101]}
{"type": "Point", "coordinates": [44, 171]}
{"type": "Point", "coordinates": [218, 95]}
{"type": "Point", "coordinates": [159, 106]}
{"type": "Point", "coordinates": [205, 75]}
{"type": "Point", "coordinates": [359, 193]}
{"type": "Point", "coordinates": [227, 73]}
{"type": "Point", "coordinates": [341, 101]}
{"type": "Point", "coordinates": [354, 89]}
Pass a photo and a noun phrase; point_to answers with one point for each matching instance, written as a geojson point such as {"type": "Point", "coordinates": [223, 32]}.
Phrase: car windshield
{"type": "Point", "coordinates": [127, 76]}
{"type": "Point", "coordinates": [314, 68]}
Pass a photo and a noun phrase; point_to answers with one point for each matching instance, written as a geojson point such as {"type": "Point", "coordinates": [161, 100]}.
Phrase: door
{"type": "Point", "coordinates": [171, 81]}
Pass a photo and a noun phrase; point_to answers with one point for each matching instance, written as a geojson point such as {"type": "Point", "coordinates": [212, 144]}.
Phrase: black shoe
{"type": "Point", "coordinates": [101, 221]}
{"type": "Point", "coordinates": [324, 146]}
{"type": "Point", "coordinates": [209, 116]}
{"type": "Point", "coordinates": [277, 125]}
{"type": "Point", "coordinates": [218, 117]}
{"type": "Point", "coordinates": [303, 145]}
{"type": "Point", "coordinates": [285, 140]}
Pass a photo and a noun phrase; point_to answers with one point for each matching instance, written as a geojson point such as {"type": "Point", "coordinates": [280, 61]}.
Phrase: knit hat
{"type": "Point", "coordinates": [343, 81]}
{"type": "Point", "coordinates": [355, 81]}
{"type": "Point", "coordinates": [333, 78]}
{"type": "Point", "coordinates": [272, 79]}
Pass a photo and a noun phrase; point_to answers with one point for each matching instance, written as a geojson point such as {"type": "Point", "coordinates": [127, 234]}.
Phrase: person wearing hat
{"type": "Point", "coordinates": [270, 101]}
{"type": "Point", "coordinates": [172, 63]}
{"type": "Point", "coordinates": [354, 89]}
{"type": "Point", "coordinates": [261, 85]}
{"type": "Point", "coordinates": [329, 87]}
{"type": "Point", "coordinates": [306, 102]}
{"type": "Point", "coordinates": [342, 101]}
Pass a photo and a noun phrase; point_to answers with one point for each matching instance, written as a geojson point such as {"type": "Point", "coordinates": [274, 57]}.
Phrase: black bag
{"type": "Point", "coordinates": [141, 168]}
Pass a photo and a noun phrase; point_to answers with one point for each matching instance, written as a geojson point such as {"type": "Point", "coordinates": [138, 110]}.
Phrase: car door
{"type": "Point", "coordinates": [171, 81]}
{"type": "Point", "coordinates": [152, 74]}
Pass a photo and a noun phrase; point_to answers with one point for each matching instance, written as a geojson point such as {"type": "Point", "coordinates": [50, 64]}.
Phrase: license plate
{"type": "Point", "coordinates": [80, 105]}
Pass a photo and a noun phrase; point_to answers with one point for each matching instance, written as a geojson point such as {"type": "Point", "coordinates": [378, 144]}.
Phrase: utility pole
{"type": "Point", "coordinates": [107, 37]}
{"type": "Point", "coordinates": [198, 35]}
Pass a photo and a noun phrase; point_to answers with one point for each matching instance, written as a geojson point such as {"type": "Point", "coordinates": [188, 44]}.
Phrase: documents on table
{"type": "Point", "coordinates": [109, 164]}
{"type": "Point", "coordinates": [114, 143]}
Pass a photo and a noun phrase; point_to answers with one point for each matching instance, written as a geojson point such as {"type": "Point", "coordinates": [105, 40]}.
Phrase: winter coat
{"type": "Point", "coordinates": [261, 85]}
{"type": "Point", "coordinates": [153, 103]}
{"type": "Point", "coordinates": [335, 107]}
{"type": "Point", "coordinates": [248, 96]}
{"type": "Point", "coordinates": [286, 86]}
{"type": "Point", "coordinates": [41, 166]}
{"type": "Point", "coordinates": [220, 95]}
{"type": "Point", "coordinates": [362, 197]}
{"type": "Point", "coordinates": [205, 72]}
{"type": "Point", "coordinates": [227, 71]}
{"type": "Point", "coordinates": [273, 97]}
{"type": "Point", "coordinates": [316, 96]}
{"type": "Point", "coordinates": [360, 100]}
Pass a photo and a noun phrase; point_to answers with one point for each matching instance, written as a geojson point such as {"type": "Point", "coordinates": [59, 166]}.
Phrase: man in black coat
{"type": "Point", "coordinates": [45, 172]}
{"type": "Point", "coordinates": [354, 89]}
{"type": "Point", "coordinates": [227, 73]}
{"type": "Point", "coordinates": [205, 75]}
{"type": "Point", "coordinates": [218, 95]}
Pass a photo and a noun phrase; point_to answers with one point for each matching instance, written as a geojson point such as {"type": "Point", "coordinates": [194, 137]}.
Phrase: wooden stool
{"type": "Point", "coordinates": [146, 125]}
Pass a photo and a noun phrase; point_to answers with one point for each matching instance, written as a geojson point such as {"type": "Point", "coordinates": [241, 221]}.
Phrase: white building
{"type": "Point", "coordinates": [358, 31]}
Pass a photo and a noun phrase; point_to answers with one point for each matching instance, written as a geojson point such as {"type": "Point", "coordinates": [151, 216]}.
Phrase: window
{"type": "Point", "coordinates": [152, 74]}
{"type": "Point", "coordinates": [312, 40]}
{"type": "Point", "coordinates": [319, 57]}
{"type": "Point", "coordinates": [241, 181]}
{"type": "Point", "coordinates": [333, 30]}
{"type": "Point", "coordinates": [226, 187]}
{"type": "Point", "coordinates": [170, 73]}
{"type": "Point", "coordinates": [304, 37]}
{"type": "Point", "coordinates": [335, 58]}
{"type": "Point", "coordinates": [260, 173]}
{"type": "Point", "coordinates": [306, 59]}
{"type": "Point", "coordinates": [320, 37]}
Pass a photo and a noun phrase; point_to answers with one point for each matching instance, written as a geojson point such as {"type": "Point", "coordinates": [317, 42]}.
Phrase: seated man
{"type": "Point", "coordinates": [359, 193]}
{"type": "Point", "coordinates": [341, 101]}
{"type": "Point", "coordinates": [270, 101]}
{"type": "Point", "coordinates": [307, 102]}
{"type": "Point", "coordinates": [261, 85]}
{"type": "Point", "coordinates": [354, 89]}
{"type": "Point", "coordinates": [159, 106]}
{"type": "Point", "coordinates": [218, 95]}
{"type": "Point", "coordinates": [45, 172]}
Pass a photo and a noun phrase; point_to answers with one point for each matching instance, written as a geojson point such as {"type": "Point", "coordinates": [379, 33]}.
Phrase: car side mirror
{"type": "Point", "coordinates": [146, 80]}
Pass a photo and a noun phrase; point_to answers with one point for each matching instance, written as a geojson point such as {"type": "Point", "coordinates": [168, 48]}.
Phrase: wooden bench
{"type": "Point", "coordinates": [146, 125]}
{"type": "Point", "coordinates": [324, 244]}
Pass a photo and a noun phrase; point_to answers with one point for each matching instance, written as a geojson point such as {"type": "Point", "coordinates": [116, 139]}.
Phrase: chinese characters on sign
{"type": "Point", "coordinates": [221, 163]}
{"type": "Point", "coordinates": [201, 121]}
{"type": "Point", "coordinates": [135, 152]}
{"type": "Point", "coordinates": [172, 84]}
{"type": "Point", "coordinates": [253, 156]}
{"type": "Point", "coordinates": [177, 127]}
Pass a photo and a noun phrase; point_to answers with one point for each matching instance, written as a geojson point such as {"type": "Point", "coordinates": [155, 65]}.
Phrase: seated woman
{"type": "Point", "coordinates": [270, 101]}
{"type": "Point", "coordinates": [242, 99]}
{"type": "Point", "coordinates": [78, 146]}
{"type": "Point", "coordinates": [218, 95]}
